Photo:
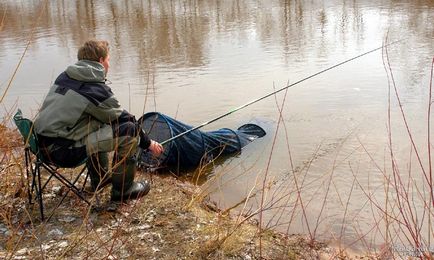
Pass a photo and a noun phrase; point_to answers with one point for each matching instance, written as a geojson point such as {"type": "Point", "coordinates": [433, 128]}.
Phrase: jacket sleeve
{"type": "Point", "coordinates": [106, 108]}
{"type": "Point", "coordinates": [106, 111]}
{"type": "Point", "coordinates": [145, 141]}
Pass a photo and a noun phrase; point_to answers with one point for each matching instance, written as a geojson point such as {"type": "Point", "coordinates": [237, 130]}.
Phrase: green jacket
{"type": "Point", "coordinates": [78, 103]}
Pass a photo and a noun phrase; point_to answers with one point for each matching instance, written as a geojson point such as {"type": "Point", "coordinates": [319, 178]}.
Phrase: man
{"type": "Point", "coordinates": [81, 118]}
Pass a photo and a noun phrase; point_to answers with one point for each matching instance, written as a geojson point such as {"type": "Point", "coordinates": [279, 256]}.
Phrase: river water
{"type": "Point", "coordinates": [327, 162]}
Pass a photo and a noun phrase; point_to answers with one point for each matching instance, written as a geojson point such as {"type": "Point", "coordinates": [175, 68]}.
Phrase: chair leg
{"type": "Point", "coordinates": [29, 170]}
{"type": "Point", "coordinates": [39, 187]}
{"type": "Point", "coordinates": [39, 191]}
{"type": "Point", "coordinates": [72, 187]}
{"type": "Point", "coordinates": [34, 183]}
{"type": "Point", "coordinates": [67, 183]}
{"type": "Point", "coordinates": [47, 181]}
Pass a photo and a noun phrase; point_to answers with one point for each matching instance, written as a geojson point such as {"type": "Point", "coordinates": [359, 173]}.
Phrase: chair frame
{"type": "Point", "coordinates": [33, 168]}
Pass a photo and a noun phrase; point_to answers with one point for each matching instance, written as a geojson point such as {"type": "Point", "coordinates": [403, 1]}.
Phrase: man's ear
{"type": "Point", "coordinates": [101, 60]}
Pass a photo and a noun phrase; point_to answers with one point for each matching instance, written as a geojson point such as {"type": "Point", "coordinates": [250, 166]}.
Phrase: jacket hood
{"type": "Point", "coordinates": [87, 71]}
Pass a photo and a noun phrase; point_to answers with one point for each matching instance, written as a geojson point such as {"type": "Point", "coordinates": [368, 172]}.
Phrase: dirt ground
{"type": "Point", "coordinates": [165, 224]}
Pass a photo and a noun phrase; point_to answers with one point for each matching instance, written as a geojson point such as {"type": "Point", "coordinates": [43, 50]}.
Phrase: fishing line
{"type": "Point", "coordinates": [275, 92]}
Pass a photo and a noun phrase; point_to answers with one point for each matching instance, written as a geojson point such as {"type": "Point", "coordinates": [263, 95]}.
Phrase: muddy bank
{"type": "Point", "coordinates": [165, 224]}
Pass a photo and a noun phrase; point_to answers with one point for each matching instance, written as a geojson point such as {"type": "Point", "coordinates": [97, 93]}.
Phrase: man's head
{"type": "Point", "coordinates": [95, 50]}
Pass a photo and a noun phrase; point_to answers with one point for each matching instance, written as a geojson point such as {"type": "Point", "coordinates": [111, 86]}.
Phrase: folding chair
{"type": "Point", "coordinates": [33, 167]}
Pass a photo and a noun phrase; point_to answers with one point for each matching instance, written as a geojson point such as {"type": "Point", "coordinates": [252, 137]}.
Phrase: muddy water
{"type": "Point", "coordinates": [195, 60]}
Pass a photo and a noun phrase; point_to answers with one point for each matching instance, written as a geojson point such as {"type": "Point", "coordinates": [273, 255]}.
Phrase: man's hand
{"type": "Point", "coordinates": [155, 148]}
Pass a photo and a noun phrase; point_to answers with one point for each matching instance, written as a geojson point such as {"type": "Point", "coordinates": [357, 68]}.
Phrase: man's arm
{"type": "Point", "coordinates": [107, 111]}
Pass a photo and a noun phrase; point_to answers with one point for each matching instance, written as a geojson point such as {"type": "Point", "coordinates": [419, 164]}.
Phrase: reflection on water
{"type": "Point", "coordinates": [198, 59]}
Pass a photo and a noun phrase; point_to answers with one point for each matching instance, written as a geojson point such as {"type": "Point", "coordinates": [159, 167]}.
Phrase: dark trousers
{"type": "Point", "coordinates": [67, 153]}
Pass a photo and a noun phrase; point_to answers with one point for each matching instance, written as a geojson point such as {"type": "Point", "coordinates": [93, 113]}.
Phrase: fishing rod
{"type": "Point", "coordinates": [274, 92]}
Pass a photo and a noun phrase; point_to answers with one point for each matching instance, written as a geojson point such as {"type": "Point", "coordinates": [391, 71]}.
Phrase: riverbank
{"type": "Point", "coordinates": [162, 225]}
{"type": "Point", "coordinates": [168, 223]}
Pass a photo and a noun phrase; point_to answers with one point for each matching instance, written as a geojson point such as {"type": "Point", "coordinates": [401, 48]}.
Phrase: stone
{"type": "Point", "coordinates": [55, 233]}
{"type": "Point", "coordinates": [67, 219]}
{"type": "Point", "coordinates": [63, 244]}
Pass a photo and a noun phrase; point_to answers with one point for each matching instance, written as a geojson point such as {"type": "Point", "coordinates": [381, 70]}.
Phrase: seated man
{"type": "Point", "coordinates": [80, 117]}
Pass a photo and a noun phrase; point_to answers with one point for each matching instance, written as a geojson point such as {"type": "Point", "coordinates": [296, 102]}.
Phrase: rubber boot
{"type": "Point", "coordinates": [124, 187]}
{"type": "Point", "coordinates": [97, 165]}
